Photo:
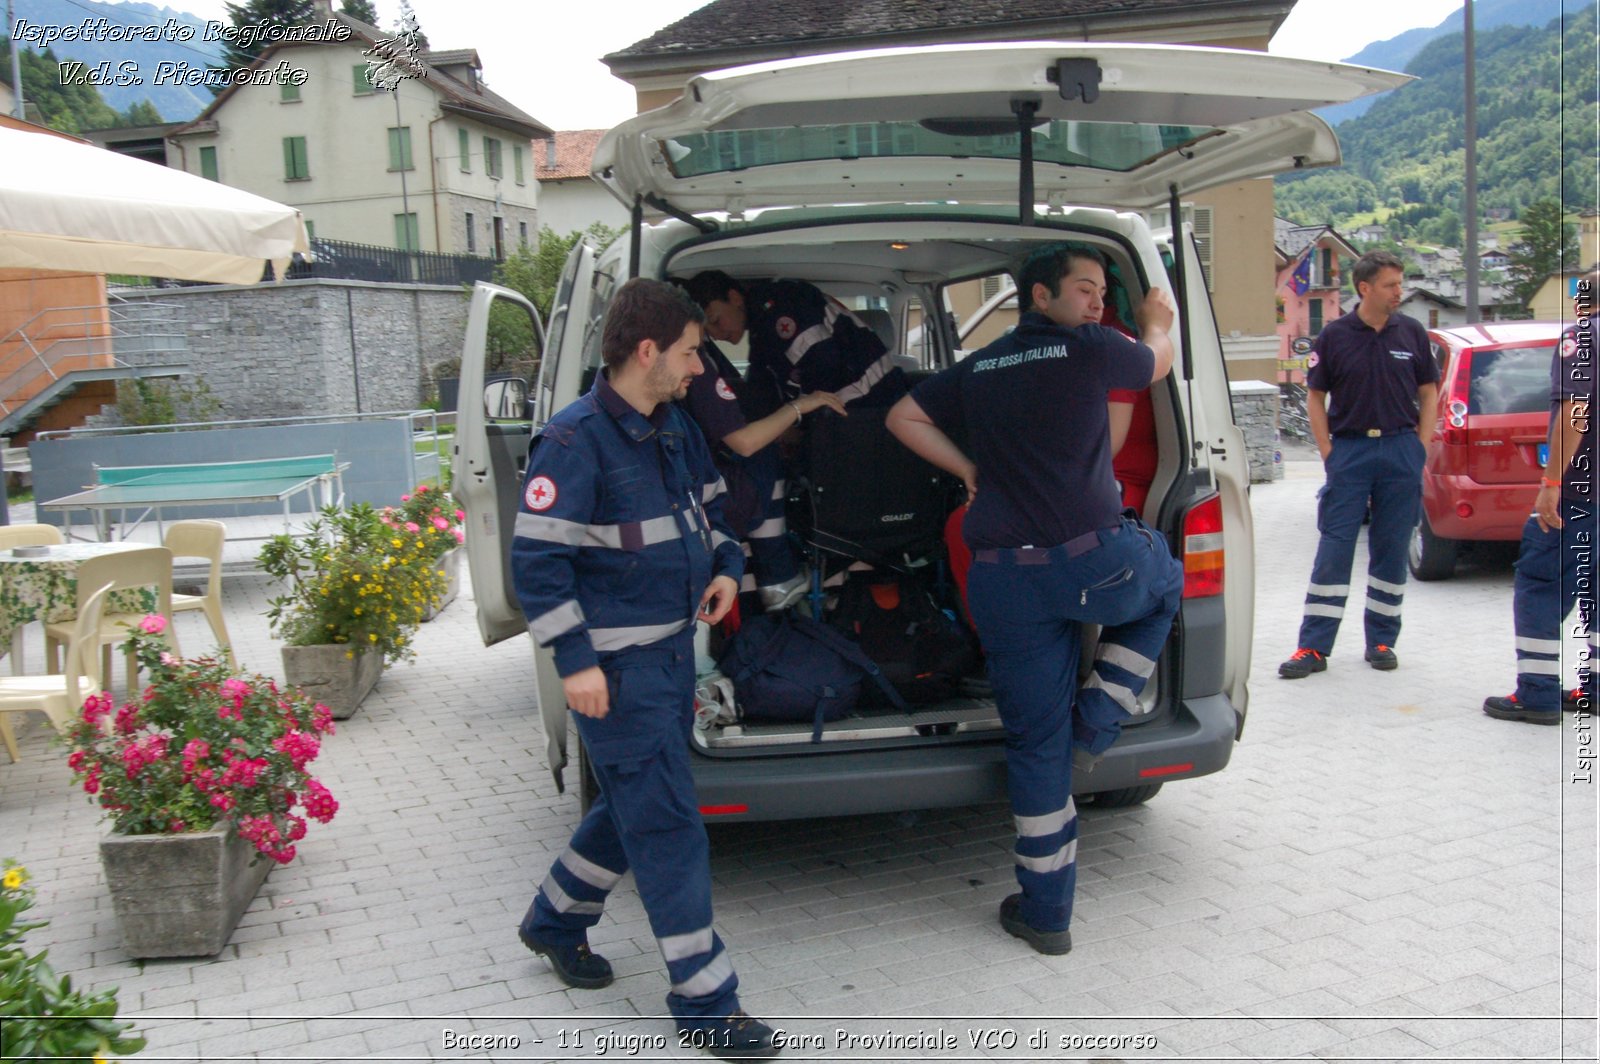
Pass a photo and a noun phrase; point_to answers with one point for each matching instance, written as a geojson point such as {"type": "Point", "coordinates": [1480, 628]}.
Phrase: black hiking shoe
{"type": "Point", "coordinates": [1382, 657]}
{"type": "Point", "coordinates": [1508, 708]}
{"type": "Point", "coordinates": [574, 965]}
{"type": "Point", "coordinates": [1303, 663]}
{"type": "Point", "coordinates": [1052, 943]}
{"type": "Point", "coordinates": [737, 1036]}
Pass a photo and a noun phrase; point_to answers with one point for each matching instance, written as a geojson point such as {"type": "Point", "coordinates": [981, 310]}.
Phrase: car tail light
{"type": "Point", "coordinates": [1203, 565]}
{"type": "Point", "coordinates": [723, 810]}
{"type": "Point", "coordinates": [1455, 407]}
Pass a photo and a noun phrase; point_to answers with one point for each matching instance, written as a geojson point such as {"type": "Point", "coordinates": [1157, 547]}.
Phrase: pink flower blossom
{"type": "Point", "coordinates": [319, 802]}
{"type": "Point", "coordinates": [405, 498]}
{"type": "Point", "coordinates": [153, 623]}
{"type": "Point", "coordinates": [168, 660]}
{"type": "Point", "coordinates": [461, 515]}
{"type": "Point", "coordinates": [412, 526]}
{"type": "Point", "coordinates": [460, 536]}
{"type": "Point", "coordinates": [440, 523]}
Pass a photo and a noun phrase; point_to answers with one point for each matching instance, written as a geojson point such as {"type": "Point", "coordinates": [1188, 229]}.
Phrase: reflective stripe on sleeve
{"type": "Point", "coordinates": [564, 618]}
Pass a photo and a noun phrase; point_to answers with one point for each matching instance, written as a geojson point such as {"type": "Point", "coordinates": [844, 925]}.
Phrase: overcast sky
{"type": "Point", "coordinates": [545, 57]}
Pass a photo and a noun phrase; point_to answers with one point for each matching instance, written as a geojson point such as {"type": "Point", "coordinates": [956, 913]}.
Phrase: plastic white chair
{"type": "Point", "coordinates": [25, 536]}
{"type": "Point", "coordinates": [203, 539]}
{"type": "Point", "coordinates": [59, 696]}
{"type": "Point", "coordinates": [146, 567]}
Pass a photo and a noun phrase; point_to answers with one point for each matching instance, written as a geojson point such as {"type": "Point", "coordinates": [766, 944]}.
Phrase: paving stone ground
{"type": "Point", "coordinates": [1382, 873]}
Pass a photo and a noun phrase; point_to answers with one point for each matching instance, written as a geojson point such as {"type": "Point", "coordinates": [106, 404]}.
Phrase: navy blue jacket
{"type": "Point", "coordinates": [802, 341]}
{"type": "Point", "coordinates": [620, 529]}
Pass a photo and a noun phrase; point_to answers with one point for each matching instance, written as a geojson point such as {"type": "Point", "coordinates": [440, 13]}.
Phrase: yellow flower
{"type": "Point", "coordinates": [14, 878]}
{"type": "Point", "coordinates": [373, 637]}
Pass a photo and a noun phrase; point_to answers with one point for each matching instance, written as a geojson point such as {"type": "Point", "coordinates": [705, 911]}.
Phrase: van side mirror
{"type": "Point", "coordinates": [506, 399]}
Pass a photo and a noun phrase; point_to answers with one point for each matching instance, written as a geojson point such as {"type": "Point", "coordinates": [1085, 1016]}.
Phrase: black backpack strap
{"type": "Point", "coordinates": [852, 653]}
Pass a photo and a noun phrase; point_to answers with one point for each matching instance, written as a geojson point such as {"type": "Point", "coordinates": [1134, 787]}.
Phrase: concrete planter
{"type": "Point", "coordinates": [450, 562]}
{"type": "Point", "coordinates": [326, 674]}
{"type": "Point", "coordinates": [180, 895]}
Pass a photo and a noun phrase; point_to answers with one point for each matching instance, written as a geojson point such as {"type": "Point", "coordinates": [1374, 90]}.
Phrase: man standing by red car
{"type": "Point", "coordinates": [1555, 568]}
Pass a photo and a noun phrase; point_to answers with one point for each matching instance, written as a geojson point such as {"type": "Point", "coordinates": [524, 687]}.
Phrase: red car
{"type": "Point", "coordinates": [1494, 412]}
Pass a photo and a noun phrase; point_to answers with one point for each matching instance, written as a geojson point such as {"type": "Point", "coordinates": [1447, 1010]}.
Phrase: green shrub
{"type": "Point", "coordinates": [41, 1016]}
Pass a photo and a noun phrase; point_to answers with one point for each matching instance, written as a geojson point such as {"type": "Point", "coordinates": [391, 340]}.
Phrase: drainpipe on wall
{"type": "Point", "coordinates": [355, 362]}
{"type": "Point", "coordinates": [433, 179]}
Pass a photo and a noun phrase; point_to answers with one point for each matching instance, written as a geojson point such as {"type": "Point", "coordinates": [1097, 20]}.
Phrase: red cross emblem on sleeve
{"type": "Point", "coordinates": [786, 328]}
{"type": "Point", "coordinates": [541, 493]}
{"type": "Point", "coordinates": [723, 390]}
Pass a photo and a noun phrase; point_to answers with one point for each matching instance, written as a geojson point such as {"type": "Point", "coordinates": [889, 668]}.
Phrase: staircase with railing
{"type": "Point", "coordinates": [48, 355]}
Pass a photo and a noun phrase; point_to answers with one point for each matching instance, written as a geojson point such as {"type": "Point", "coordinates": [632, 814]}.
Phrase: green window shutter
{"type": "Point", "coordinates": [465, 145]}
{"type": "Point", "coordinates": [208, 163]}
{"type": "Point", "coordinates": [288, 92]}
{"type": "Point", "coordinates": [361, 74]}
{"type": "Point", "coordinates": [296, 167]}
{"type": "Point", "coordinates": [516, 160]}
{"type": "Point", "coordinates": [491, 156]}
{"type": "Point", "coordinates": [400, 148]}
{"type": "Point", "coordinates": [405, 231]}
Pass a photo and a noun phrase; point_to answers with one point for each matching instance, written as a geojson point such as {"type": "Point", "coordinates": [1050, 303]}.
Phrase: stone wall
{"type": "Point", "coordinates": [314, 347]}
{"type": "Point", "coordinates": [1255, 411]}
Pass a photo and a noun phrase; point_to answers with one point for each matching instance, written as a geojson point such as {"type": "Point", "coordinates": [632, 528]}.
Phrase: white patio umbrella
{"type": "Point", "coordinates": [68, 205]}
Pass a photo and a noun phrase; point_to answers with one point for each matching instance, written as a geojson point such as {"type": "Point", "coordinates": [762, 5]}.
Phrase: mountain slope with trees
{"type": "Point", "coordinates": [1404, 158]}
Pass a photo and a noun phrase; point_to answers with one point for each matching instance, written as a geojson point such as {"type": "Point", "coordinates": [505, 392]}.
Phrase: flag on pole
{"type": "Point", "coordinates": [1301, 278]}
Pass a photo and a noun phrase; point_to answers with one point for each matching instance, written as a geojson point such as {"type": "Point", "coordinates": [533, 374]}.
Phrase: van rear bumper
{"type": "Point", "coordinates": [1196, 742]}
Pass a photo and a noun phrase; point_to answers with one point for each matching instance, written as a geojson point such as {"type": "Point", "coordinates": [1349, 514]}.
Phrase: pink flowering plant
{"type": "Point", "coordinates": [200, 746]}
{"type": "Point", "coordinates": [431, 513]}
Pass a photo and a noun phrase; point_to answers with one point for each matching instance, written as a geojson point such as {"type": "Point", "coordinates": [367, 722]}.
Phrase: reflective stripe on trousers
{"type": "Point", "coordinates": [1555, 572]}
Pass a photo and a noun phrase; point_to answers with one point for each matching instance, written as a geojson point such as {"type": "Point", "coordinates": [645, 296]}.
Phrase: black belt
{"type": "Point", "coordinates": [1359, 434]}
{"type": "Point", "coordinates": [1039, 555]}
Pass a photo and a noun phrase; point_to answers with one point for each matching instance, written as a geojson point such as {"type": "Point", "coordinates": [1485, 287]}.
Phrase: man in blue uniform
{"type": "Point", "coordinates": [746, 454]}
{"type": "Point", "coordinates": [800, 341]}
{"type": "Point", "coordinates": [1052, 550]}
{"type": "Point", "coordinates": [1370, 396]}
{"type": "Point", "coordinates": [1555, 569]}
{"type": "Point", "coordinates": [619, 546]}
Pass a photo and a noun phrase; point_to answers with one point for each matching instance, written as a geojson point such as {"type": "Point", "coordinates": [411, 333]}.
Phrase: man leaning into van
{"type": "Point", "coordinates": [620, 544]}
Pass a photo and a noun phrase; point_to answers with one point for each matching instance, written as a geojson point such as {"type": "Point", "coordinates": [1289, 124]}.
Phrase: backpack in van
{"type": "Point", "coordinates": [922, 650]}
{"type": "Point", "coordinates": [788, 667]}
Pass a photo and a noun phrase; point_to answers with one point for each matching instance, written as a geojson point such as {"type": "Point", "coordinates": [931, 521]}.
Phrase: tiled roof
{"type": "Point", "coordinates": [727, 24]}
{"type": "Point", "coordinates": [574, 150]}
{"type": "Point", "coordinates": [478, 102]}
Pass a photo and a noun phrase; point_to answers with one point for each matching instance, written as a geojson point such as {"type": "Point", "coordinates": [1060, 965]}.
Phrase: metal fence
{"type": "Point", "coordinates": [368, 262]}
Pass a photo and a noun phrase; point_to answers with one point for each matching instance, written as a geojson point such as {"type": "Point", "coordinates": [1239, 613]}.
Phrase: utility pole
{"type": "Point", "coordinates": [16, 62]}
{"type": "Point", "coordinates": [1470, 252]}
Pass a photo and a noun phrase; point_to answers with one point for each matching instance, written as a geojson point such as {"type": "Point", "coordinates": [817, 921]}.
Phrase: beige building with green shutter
{"type": "Point", "coordinates": [442, 163]}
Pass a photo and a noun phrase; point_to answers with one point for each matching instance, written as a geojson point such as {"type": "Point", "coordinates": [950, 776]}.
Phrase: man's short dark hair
{"type": "Point", "coordinates": [1049, 264]}
{"type": "Point", "coordinates": [1369, 265]}
{"type": "Point", "coordinates": [643, 310]}
{"type": "Point", "coordinates": [709, 286]}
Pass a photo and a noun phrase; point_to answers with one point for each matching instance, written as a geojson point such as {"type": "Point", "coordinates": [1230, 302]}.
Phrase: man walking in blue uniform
{"type": "Point", "coordinates": [800, 341]}
{"type": "Point", "coordinates": [619, 546]}
{"type": "Point", "coordinates": [1052, 550]}
{"type": "Point", "coordinates": [1370, 395]}
{"type": "Point", "coordinates": [1555, 569]}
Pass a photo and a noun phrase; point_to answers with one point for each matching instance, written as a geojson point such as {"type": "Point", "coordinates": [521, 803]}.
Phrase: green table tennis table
{"type": "Point", "coordinates": [150, 489]}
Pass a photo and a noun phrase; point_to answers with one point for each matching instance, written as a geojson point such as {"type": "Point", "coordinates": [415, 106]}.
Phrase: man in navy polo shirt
{"type": "Point", "coordinates": [1370, 396]}
{"type": "Point", "coordinates": [1052, 550]}
{"type": "Point", "coordinates": [746, 454]}
{"type": "Point", "coordinates": [1555, 569]}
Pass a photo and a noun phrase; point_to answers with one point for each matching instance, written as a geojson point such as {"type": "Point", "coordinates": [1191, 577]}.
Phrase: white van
{"type": "Point", "coordinates": [886, 178]}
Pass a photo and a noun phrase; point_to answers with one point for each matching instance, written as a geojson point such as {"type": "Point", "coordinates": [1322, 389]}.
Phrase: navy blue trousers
{"type": "Point", "coordinates": [1387, 471]}
{"type": "Point", "coordinates": [1555, 572]}
{"type": "Point", "coordinates": [1029, 606]}
{"type": "Point", "coordinates": [647, 819]}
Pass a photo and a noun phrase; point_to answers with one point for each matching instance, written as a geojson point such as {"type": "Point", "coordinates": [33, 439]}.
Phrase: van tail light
{"type": "Point", "coordinates": [1203, 565]}
{"type": "Point", "coordinates": [1455, 404]}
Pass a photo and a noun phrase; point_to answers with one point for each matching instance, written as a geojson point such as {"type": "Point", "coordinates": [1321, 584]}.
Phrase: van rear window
{"type": "Point", "coordinates": [1512, 380]}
